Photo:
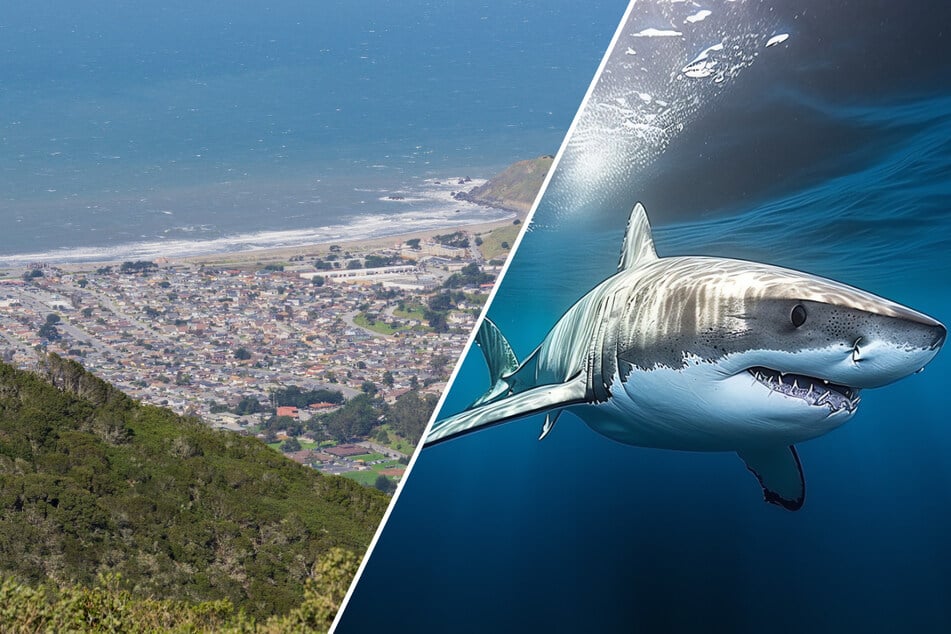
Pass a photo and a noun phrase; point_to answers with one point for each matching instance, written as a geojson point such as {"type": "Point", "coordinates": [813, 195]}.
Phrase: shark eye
{"type": "Point", "coordinates": [798, 315]}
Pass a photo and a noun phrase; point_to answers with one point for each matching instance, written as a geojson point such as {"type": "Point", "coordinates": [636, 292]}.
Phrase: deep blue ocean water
{"type": "Point", "coordinates": [829, 153]}
{"type": "Point", "coordinates": [212, 125]}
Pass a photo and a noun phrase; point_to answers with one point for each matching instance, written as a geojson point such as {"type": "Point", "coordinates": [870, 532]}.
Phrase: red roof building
{"type": "Point", "coordinates": [346, 450]}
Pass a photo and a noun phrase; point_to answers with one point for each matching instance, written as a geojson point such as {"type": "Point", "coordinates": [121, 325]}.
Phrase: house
{"type": "Point", "coordinates": [291, 412]}
{"type": "Point", "coordinates": [343, 451]}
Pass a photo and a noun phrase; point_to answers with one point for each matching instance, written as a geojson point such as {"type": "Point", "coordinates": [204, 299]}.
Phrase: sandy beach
{"type": "Point", "coordinates": [272, 255]}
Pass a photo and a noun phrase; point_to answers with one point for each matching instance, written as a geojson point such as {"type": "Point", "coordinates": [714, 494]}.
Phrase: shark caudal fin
{"type": "Point", "coordinates": [779, 473]}
{"type": "Point", "coordinates": [638, 246]}
{"type": "Point", "coordinates": [499, 358]}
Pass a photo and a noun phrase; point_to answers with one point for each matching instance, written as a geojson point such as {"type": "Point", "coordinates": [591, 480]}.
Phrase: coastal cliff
{"type": "Point", "coordinates": [514, 189]}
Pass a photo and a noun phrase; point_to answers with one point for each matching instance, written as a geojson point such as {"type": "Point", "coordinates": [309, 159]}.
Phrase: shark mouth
{"type": "Point", "coordinates": [816, 392]}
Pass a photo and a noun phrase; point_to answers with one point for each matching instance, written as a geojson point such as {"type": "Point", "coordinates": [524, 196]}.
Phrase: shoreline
{"type": "Point", "coordinates": [270, 255]}
{"type": "Point", "coordinates": [440, 212]}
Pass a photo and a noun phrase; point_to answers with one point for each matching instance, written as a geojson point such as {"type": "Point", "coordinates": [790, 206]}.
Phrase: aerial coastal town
{"type": "Point", "coordinates": [187, 336]}
{"type": "Point", "coordinates": [201, 338]}
{"type": "Point", "coordinates": [227, 338]}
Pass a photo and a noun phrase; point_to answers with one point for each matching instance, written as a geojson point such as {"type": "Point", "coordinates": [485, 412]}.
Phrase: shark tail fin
{"type": "Point", "coordinates": [638, 246]}
{"type": "Point", "coordinates": [499, 357]}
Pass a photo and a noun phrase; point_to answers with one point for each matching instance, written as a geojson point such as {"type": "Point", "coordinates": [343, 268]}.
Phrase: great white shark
{"type": "Point", "coordinates": [706, 354]}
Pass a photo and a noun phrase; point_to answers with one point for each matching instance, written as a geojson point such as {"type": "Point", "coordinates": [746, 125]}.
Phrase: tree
{"type": "Point", "coordinates": [440, 302]}
{"type": "Point", "coordinates": [354, 264]}
{"type": "Point", "coordinates": [242, 354]}
{"type": "Point", "coordinates": [139, 266]}
{"type": "Point", "coordinates": [437, 321]}
{"type": "Point", "coordinates": [356, 418]}
{"type": "Point", "coordinates": [48, 331]}
{"type": "Point", "coordinates": [410, 413]}
{"type": "Point", "coordinates": [470, 275]}
{"type": "Point", "coordinates": [324, 591]}
{"type": "Point", "coordinates": [248, 405]}
{"type": "Point", "coordinates": [388, 379]}
{"type": "Point", "coordinates": [384, 484]}
{"type": "Point", "coordinates": [318, 280]}
{"type": "Point", "coordinates": [375, 261]}
{"type": "Point", "coordinates": [457, 239]}
{"type": "Point", "coordinates": [293, 396]}
{"type": "Point", "coordinates": [286, 424]}
{"type": "Point", "coordinates": [438, 362]}
{"type": "Point", "coordinates": [369, 387]}
{"type": "Point", "coordinates": [413, 243]}
{"type": "Point", "coordinates": [290, 445]}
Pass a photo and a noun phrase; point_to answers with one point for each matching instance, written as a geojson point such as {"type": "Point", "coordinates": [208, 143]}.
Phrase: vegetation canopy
{"type": "Point", "coordinates": [93, 483]}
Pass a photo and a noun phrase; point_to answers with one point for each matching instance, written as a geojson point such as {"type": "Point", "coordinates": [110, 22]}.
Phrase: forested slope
{"type": "Point", "coordinates": [94, 483]}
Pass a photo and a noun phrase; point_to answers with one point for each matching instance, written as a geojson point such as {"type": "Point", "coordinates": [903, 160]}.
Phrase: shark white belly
{"type": "Point", "coordinates": [639, 412]}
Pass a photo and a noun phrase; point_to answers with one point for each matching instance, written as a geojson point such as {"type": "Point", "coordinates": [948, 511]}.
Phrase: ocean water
{"type": "Point", "coordinates": [181, 127]}
{"type": "Point", "coordinates": [828, 152]}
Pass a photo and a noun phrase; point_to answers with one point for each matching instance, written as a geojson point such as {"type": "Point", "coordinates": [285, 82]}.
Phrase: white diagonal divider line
{"type": "Point", "coordinates": [436, 412]}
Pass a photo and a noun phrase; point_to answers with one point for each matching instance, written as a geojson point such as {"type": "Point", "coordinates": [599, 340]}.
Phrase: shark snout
{"type": "Point", "coordinates": [923, 328]}
{"type": "Point", "coordinates": [939, 335]}
{"type": "Point", "coordinates": [898, 348]}
{"type": "Point", "coordinates": [930, 332]}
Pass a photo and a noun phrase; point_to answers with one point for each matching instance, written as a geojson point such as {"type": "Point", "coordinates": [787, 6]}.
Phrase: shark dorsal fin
{"type": "Point", "coordinates": [499, 357]}
{"type": "Point", "coordinates": [638, 246]}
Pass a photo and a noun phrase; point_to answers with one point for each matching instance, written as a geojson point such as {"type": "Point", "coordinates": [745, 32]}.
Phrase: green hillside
{"type": "Point", "coordinates": [93, 483]}
{"type": "Point", "coordinates": [515, 188]}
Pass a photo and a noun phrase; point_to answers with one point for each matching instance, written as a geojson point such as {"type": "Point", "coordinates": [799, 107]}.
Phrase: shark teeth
{"type": "Point", "coordinates": [816, 392]}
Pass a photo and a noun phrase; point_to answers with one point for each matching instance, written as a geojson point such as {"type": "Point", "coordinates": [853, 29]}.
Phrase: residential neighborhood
{"type": "Point", "coordinates": [201, 338]}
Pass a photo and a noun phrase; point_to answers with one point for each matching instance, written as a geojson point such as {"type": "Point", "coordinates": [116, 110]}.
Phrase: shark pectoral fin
{"type": "Point", "coordinates": [534, 401]}
{"type": "Point", "coordinates": [779, 473]}
{"type": "Point", "coordinates": [550, 420]}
